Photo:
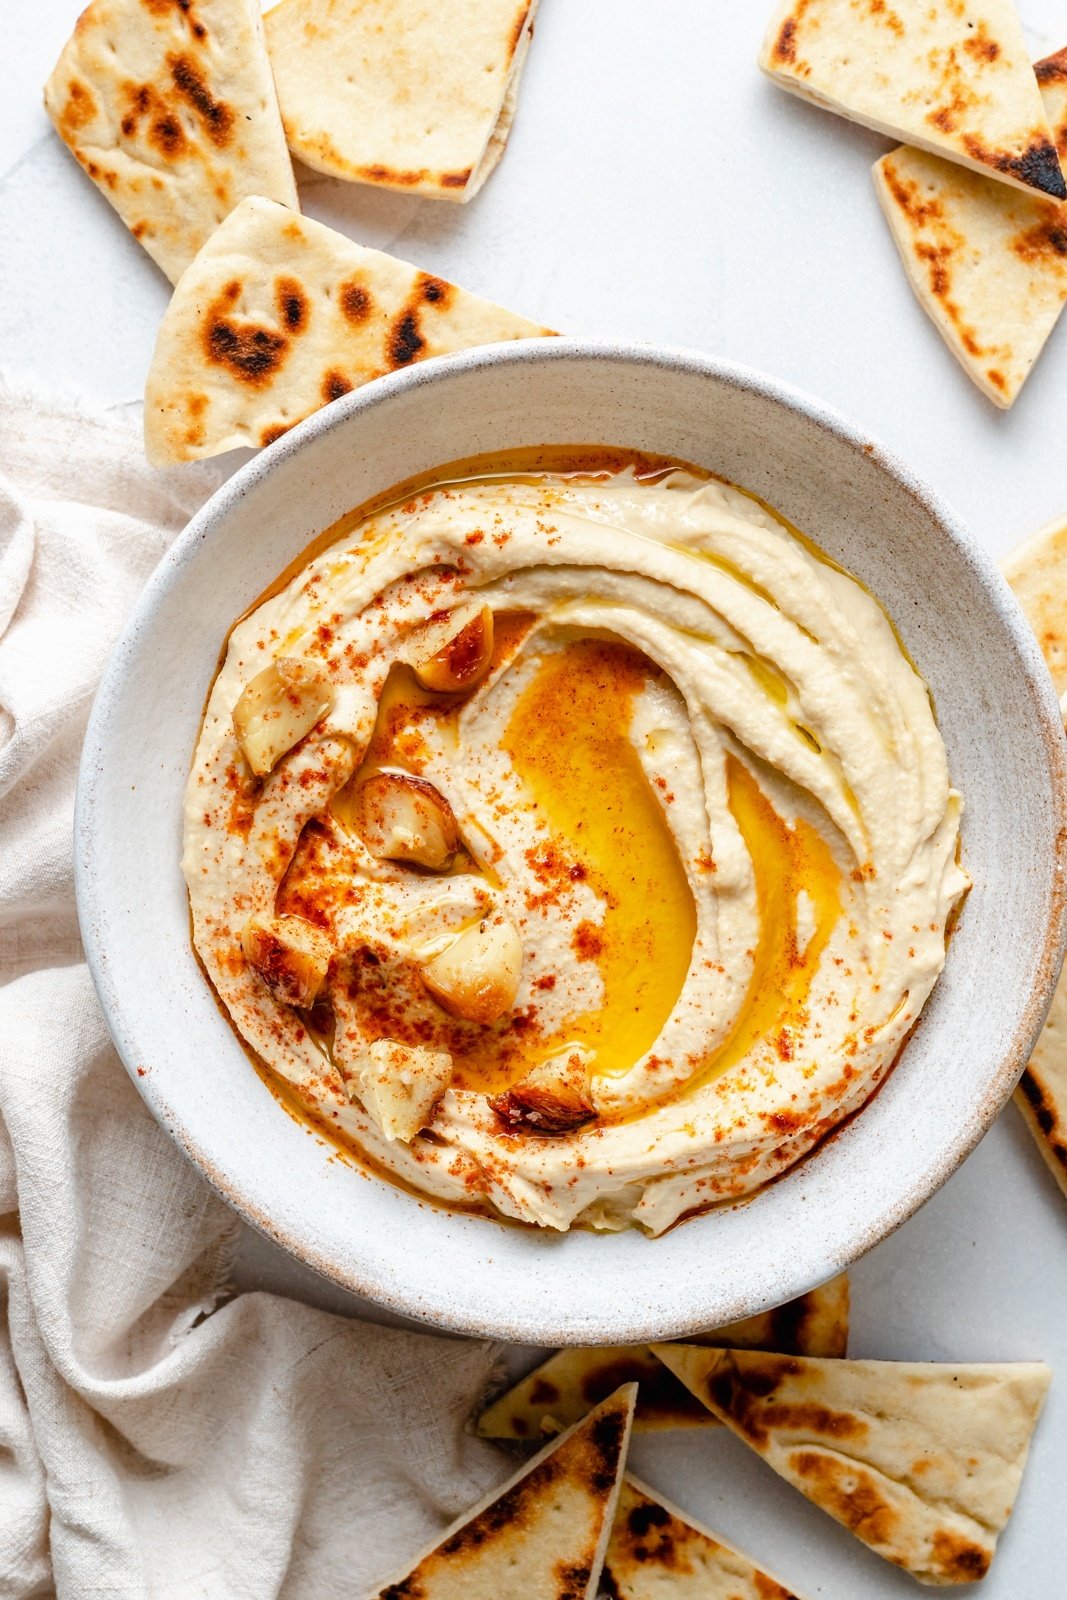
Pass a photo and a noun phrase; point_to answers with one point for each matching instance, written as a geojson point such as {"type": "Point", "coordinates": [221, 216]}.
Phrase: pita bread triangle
{"type": "Point", "coordinates": [657, 1552]}
{"type": "Point", "coordinates": [169, 106]}
{"type": "Point", "coordinates": [951, 79]}
{"type": "Point", "coordinates": [987, 264]}
{"type": "Point", "coordinates": [921, 1462]}
{"type": "Point", "coordinates": [278, 315]}
{"type": "Point", "coordinates": [543, 1535]}
{"type": "Point", "coordinates": [562, 1388]}
{"type": "Point", "coordinates": [1037, 572]}
{"type": "Point", "coordinates": [397, 93]}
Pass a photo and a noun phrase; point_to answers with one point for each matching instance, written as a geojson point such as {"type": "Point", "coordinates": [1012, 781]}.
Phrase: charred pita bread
{"type": "Point", "coordinates": [988, 265]}
{"type": "Point", "coordinates": [542, 1536]}
{"type": "Point", "coordinates": [951, 79]}
{"type": "Point", "coordinates": [277, 316]}
{"type": "Point", "coordinates": [1042, 1092]}
{"type": "Point", "coordinates": [1037, 571]}
{"type": "Point", "coordinates": [921, 1462]}
{"type": "Point", "coordinates": [169, 106]}
{"type": "Point", "coordinates": [563, 1388]}
{"type": "Point", "coordinates": [397, 92]}
{"type": "Point", "coordinates": [659, 1553]}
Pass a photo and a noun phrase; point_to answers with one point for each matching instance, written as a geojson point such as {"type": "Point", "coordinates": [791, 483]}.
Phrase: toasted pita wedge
{"type": "Point", "coordinates": [170, 108]}
{"type": "Point", "coordinates": [543, 1535]}
{"type": "Point", "coordinates": [659, 1553]}
{"type": "Point", "coordinates": [951, 79]}
{"type": "Point", "coordinates": [921, 1462]}
{"type": "Point", "coordinates": [988, 265]}
{"type": "Point", "coordinates": [278, 315]}
{"type": "Point", "coordinates": [562, 1388]}
{"type": "Point", "coordinates": [397, 92]}
{"type": "Point", "coordinates": [1037, 571]}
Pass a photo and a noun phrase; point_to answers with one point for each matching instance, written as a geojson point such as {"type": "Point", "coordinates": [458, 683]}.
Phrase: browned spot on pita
{"type": "Point", "coordinates": [947, 117]}
{"type": "Point", "coordinates": [789, 1327]}
{"type": "Point", "coordinates": [745, 1396]}
{"type": "Point", "coordinates": [956, 1559]}
{"type": "Point", "coordinates": [1038, 165]}
{"type": "Point", "coordinates": [544, 1393]}
{"type": "Point", "coordinates": [139, 230]}
{"type": "Point", "coordinates": [294, 308]}
{"type": "Point", "coordinates": [251, 352]}
{"type": "Point", "coordinates": [435, 291]}
{"type": "Point", "coordinates": [98, 174]}
{"type": "Point", "coordinates": [79, 109]}
{"type": "Point", "coordinates": [768, 1589]}
{"type": "Point", "coordinates": [604, 1447]}
{"type": "Point", "coordinates": [1044, 1116]}
{"type": "Point", "coordinates": [516, 32]}
{"type": "Point", "coordinates": [785, 46]}
{"type": "Point", "coordinates": [168, 136]}
{"type": "Point", "coordinates": [405, 343]}
{"type": "Point", "coordinates": [848, 1492]}
{"type": "Point", "coordinates": [512, 1509]}
{"type": "Point", "coordinates": [456, 180]}
{"type": "Point", "coordinates": [356, 302]}
{"type": "Point", "coordinates": [215, 116]}
{"type": "Point", "coordinates": [406, 1589]}
{"type": "Point", "coordinates": [164, 132]}
{"type": "Point", "coordinates": [193, 407]}
{"type": "Point", "coordinates": [909, 198]}
{"type": "Point", "coordinates": [275, 431]}
{"type": "Point", "coordinates": [390, 175]}
{"type": "Point", "coordinates": [1046, 240]}
{"type": "Point", "coordinates": [334, 385]}
{"type": "Point", "coordinates": [662, 1394]}
{"type": "Point", "coordinates": [980, 45]}
{"type": "Point", "coordinates": [645, 1517]}
{"type": "Point", "coordinates": [1053, 69]}
{"type": "Point", "coordinates": [940, 252]}
{"type": "Point", "coordinates": [160, 8]}
{"type": "Point", "coordinates": [572, 1580]}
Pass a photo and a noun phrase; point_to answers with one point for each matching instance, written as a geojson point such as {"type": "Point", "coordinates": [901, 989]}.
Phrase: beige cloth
{"type": "Point", "coordinates": [156, 1439]}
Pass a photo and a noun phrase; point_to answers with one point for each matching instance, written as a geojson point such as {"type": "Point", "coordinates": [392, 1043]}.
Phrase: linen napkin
{"type": "Point", "coordinates": [158, 1437]}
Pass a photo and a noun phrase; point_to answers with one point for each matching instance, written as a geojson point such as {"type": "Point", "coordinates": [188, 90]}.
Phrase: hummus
{"type": "Point", "coordinates": [691, 813]}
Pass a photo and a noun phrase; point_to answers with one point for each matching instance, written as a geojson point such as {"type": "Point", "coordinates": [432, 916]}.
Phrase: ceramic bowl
{"type": "Point", "coordinates": [1001, 724]}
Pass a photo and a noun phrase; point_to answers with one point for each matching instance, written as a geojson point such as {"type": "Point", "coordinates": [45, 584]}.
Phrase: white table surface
{"type": "Point", "coordinates": [657, 187]}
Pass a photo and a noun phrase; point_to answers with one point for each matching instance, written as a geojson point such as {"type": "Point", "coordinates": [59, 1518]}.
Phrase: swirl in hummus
{"type": "Point", "coordinates": [580, 847]}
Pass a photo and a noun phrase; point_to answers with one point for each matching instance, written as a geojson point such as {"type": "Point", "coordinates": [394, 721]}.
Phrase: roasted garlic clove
{"type": "Point", "coordinates": [400, 1086]}
{"type": "Point", "coordinates": [450, 653]}
{"type": "Point", "coordinates": [553, 1097]}
{"type": "Point", "coordinates": [290, 955]}
{"type": "Point", "coordinates": [277, 708]}
{"type": "Point", "coordinates": [401, 818]}
{"type": "Point", "coordinates": [477, 977]}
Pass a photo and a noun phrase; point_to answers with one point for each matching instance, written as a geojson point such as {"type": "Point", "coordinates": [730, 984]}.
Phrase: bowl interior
{"type": "Point", "coordinates": [996, 710]}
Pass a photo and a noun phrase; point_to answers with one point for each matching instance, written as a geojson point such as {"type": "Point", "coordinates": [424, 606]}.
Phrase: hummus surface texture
{"type": "Point", "coordinates": [699, 777]}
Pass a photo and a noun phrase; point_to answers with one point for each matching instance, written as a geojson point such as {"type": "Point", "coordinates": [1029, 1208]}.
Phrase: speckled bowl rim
{"type": "Point", "coordinates": [91, 892]}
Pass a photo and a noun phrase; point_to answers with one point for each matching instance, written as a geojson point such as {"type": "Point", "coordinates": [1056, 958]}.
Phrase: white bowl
{"type": "Point", "coordinates": [996, 708]}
